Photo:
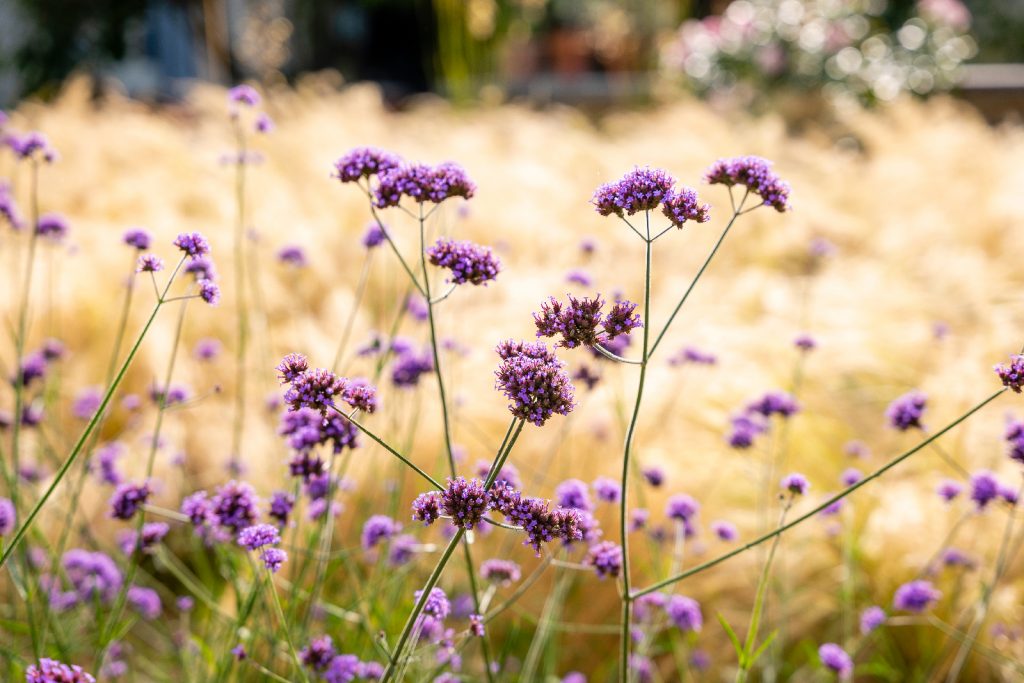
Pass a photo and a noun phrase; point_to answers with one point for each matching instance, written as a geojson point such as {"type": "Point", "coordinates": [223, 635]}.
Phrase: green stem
{"type": "Point", "coordinates": [808, 515]}
{"type": "Point", "coordinates": [364, 276]}
{"type": "Point", "coordinates": [276, 599]}
{"type": "Point", "coordinates": [389, 449]}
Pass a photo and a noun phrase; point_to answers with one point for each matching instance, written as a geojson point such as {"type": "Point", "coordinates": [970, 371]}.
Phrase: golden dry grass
{"type": "Point", "coordinates": [927, 216]}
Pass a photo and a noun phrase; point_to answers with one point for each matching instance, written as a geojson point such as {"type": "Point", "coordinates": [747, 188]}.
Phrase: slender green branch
{"type": "Point", "coordinates": [389, 449]}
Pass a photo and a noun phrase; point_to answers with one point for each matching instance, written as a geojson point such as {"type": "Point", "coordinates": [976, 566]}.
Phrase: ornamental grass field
{"type": "Point", "coordinates": [182, 500]}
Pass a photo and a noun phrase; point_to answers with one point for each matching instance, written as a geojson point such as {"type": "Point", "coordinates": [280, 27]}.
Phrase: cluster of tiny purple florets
{"type": "Point", "coordinates": [906, 411]}
{"type": "Point", "coordinates": [468, 262]}
{"type": "Point", "coordinates": [422, 183]}
{"type": "Point", "coordinates": [581, 322]}
{"type": "Point", "coordinates": [318, 389]}
{"type": "Point", "coordinates": [1012, 374]}
{"type": "Point", "coordinates": [534, 381]}
{"type": "Point", "coordinates": [645, 189]}
{"type": "Point", "coordinates": [756, 175]}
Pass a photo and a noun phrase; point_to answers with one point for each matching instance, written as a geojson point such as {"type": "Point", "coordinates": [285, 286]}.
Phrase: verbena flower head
{"type": "Point", "coordinates": [152, 534]}
{"type": "Point", "coordinates": [291, 366]}
{"type": "Point", "coordinates": [725, 531]}
{"type": "Point", "coordinates": [207, 349]}
{"type": "Point", "coordinates": [402, 550]}
{"type": "Point", "coordinates": [145, 601]}
{"type": "Point", "coordinates": [681, 507]}
{"type": "Point", "coordinates": [264, 124]}
{"type": "Point", "coordinates": [984, 488]}
{"type": "Point", "coordinates": [654, 475]}
{"type": "Point", "coordinates": [850, 476]}
{"type": "Point", "coordinates": [915, 596]}
{"type": "Point", "coordinates": [410, 366]}
{"type": "Point", "coordinates": [836, 660]}
{"type": "Point", "coordinates": [280, 506]}
{"type": "Point", "coordinates": [9, 207]}
{"type": "Point", "coordinates": [374, 236]}
{"type": "Point", "coordinates": [539, 521]}
{"type": "Point", "coordinates": [7, 516]}
{"type": "Point", "coordinates": [245, 95]}
{"type": "Point", "coordinates": [1012, 374]}
{"type": "Point", "coordinates": [755, 174]}
{"type": "Point", "coordinates": [316, 389]}
{"type": "Point", "coordinates": [607, 490]}
{"type": "Point", "coordinates": [1015, 439]}
{"type": "Point", "coordinates": [500, 572]}
{"type": "Point", "coordinates": [476, 625]}
{"type": "Point", "coordinates": [273, 559]}
{"type": "Point", "coordinates": [94, 576]}
{"type": "Point", "coordinates": [805, 342]}
{"type": "Point", "coordinates": [86, 402]}
{"type": "Point", "coordinates": [379, 529]}
{"type": "Point", "coordinates": [745, 428]}
{"type": "Point", "coordinates": [52, 226]}
{"type": "Point", "coordinates": [796, 484]}
{"type": "Point", "coordinates": [259, 535]}
{"type": "Point", "coordinates": [423, 183]}
{"type": "Point", "coordinates": [581, 322]}
{"type": "Point", "coordinates": [364, 162]}
{"type": "Point", "coordinates": [52, 671]}
{"type": "Point", "coordinates": [774, 403]}
{"type": "Point", "coordinates": [871, 618]}
{"type": "Point", "coordinates": [150, 263]}
{"type": "Point", "coordinates": [32, 145]}
{"type": "Point", "coordinates": [361, 395]}
{"type": "Point", "coordinates": [235, 505]}
{"type": "Point", "coordinates": [573, 493]}
{"type": "Point", "coordinates": [948, 489]}
{"type": "Point", "coordinates": [437, 604]}
{"type": "Point", "coordinates": [685, 613]}
{"type": "Point", "coordinates": [606, 559]}
{"type": "Point", "coordinates": [642, 189]}
{"type": "Point", "coordinates": [128, 499]}
{"type": "Point", "coordinates": [534, 381]}
{"type": "Point", "coordinates": [209, 292]}
{"type": "Point", "coordinates": [906, 411]}
{"type": "Point", "coordinates": [468, 262]}
{"type": "Point", "coordinates": [426, 507]}
{"type": "Point", "coordinates": [465, 501]}
{"type": "Point", "coordinates": [192, 244]}
{"type": "Point", "coordinates": [293, 255]}
{"type": "Point", "coordinates": [682, 205]}
{"type": "Point", "coordinates": [318, 654]}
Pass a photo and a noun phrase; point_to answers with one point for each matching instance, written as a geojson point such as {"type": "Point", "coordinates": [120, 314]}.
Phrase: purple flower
{"type": "Point", "coordinates": [725, 531]}
{"type": "Point", "coordinates": [150, 263]}
{"type": "Point", "coordinates": [28, 145]}
{"type": "Point", "coordinates": [915, 596]}
{"type": "Point", "coordinates": [606, 559]}
{"type": "Point", "coordinates": [52, 226]}
{"type": "Point", "coordinates": [1009, 494]}
{"type": "Point", "coordinates": [642, 189]}
{"type": "Point", "coordinates": [201, 268]}
{"type": "Point", "coordinates": [607, 490]}
{"type": "Point", "coordinates": [318, 654]}
{"type": "Point", "coordinates": [638, 519]}
{"type": "Point", "coordinates": [1012, 374]}
{"type": "Point", "coordinates": [426, 507]}
{"type": "Point", "coordinates": [745, 428]}
{"type": "Point", "coordinates": [476, 625]}
{"type": "Point", "coordinates": [534, 381]}
{"type": "Point", "coordinates": [468, 262]}
{"type": "Point", "coordinates": [410, 366]}
{"type": "Point", "coordinates": [755, 174]}
{"type": "Point", "coordinates": [361, 395]}
{"type": "Point", "coordinates": [244, 94]}
{"type": "Point", "coordinates": [293, 255]}
{"type": "Point", "coordinates": [984, 488]}
{"type": "Point", "coordinates": [93, 576]}
{"type": "Point", "coordinates": [539, 521]}
{"type": "Point", "coordinates": [508, 475]}
{"type": "Point", "coordinates": [692, 355]}
{"type": "Point", "coordinates": [856, 449]}
{"type": "Point", "coordinates": [685, 613]}
{"type": "Point", "coordinates": [145, 601]}
{"type": "Point", "coordinates": [86, 402]}
{"type": "Point", "coordinates": [835, 658]}
{"type": "Point", "coordinates": [805, 342]}
{"type": "Point", "coordinates": [192, 244]}
{"type": "Point", "coordinates": [259, 535]}
{"type": "Point", "coordinates": [33, 367]}
{"type": "Point", "coordinates": [423, 183]}
{"type": "Point", "coordinates": [465, 502]}
{"type": "Point", "coordinates": [273, 559]}
{"type": "Point", "coordinates": [953, 557]}
{"type": "Point", "coordinates": [500, 572]}
{"type": "Point", "coordinates": [682, 205]}
{"type": "Point", "coordinates": [582, 322]}
{"type": "Point", "coordinates": [281, 504]}
{"type": "Point", "coordinates": [579, 277]}
{"type": "Point", "coordinates": [379, 529]}
{"type": "Point", "coordinates": [850, 476]}
{"type": "Point", "coordinates": [234, 505]}
{"type": "Point", "coordinates": [7, 516]}
{"type": "Point", "coordinates": [681, 507]}
{"type": "Point", "coordinates": [52, 671]}
{"type": "Point", "coordinates": [209, 292]}
{"type": "Point", "coordinates": [906, 411]}
{"type": "Point", "coordinates": [654, 475]}
{"type": "Point", "coordinates": [264, 124]}
{"type": "Point", "coordinates": [364, 162]}
{"type": "Point", "coordinates": [949, 489]}
{"type": "Point", "coordinates": [572, 493]}
{"type": "Point", "coordinates": [107, 456]}
{"type": "Point", "coordinates": [291, 366]}
{"type": "Point", "coordinates": [871, 618]}
{"type": "Point", "coordinates": [9, 208]}
{"type": "Point", "coordinates": [402, 550]}
{"type": "Point", "coordinates": [128, 498]}
{"type": "Point", "coordinates": [374, 236]}
{"type": "Point", "coordinates": [152, 534]}
{"type": "Point", "coordinates": [796, 484]}
{"type": "Point", "coordinates": [774, 403]}
{"type": "Point", "coordinates": [239, 653]}
{"type": "Point", "coordinates": [1015, 439]}
{"type": "Point", "coordinates": [437, 605]}
{"type": "Point", "coordinates": [207, 349]}
{"type": "Point", "coordinates": [316, 389]}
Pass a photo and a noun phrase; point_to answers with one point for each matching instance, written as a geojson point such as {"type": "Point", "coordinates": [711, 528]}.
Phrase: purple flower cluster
{"type": "Point", "coordinates": [292, 255]}
{"type": "Point", "coordinates": [534, 381]}
{"type": "Point", "coordinates": [538, 520]}
{"type": "Point", "coordinates": [1014, 436]}
{"type": "Point", "coordinates": [573, 493]}
{"type": "Point", "coordinates": [423, 183]}
{"type": "Point", "coordinates": [364, 162]}
{"type": "Point", "coordinates": [985, 488]}
{"type": "Point", "coordinates": [379, 529]}
{"type": "Point", "coordinates": [468, 262]}
{"type": "Point", "coordinates": [128, 498]}
{"type": "Point", "coordinates": [581, 322]}
{"type": "Point", "coordinates": [152, 534]}
{"type": "Point", "coordinates": [745, 428]}
{"type": "Point", "coordinates": [8, 516]}
{"type": "Point", "coordinates": [500, 572]}
{"type": "Point", "coordinates": [756, 175]}
{"type": "Point", "coordinates": [137, 238]}
{"type": "Point", "coordinates": [374, 236]}
{"type": "Point", "coordinates": [871, 618]}
{"type": "Point", "coordinates": [9, 207]}
{"type": "Point", "coordinates": [796, 484]}
{"type": "Point", "coordinates": [52, 671]}
{"type": "Point", "coordinates": [258, 535]}
{"type": "Point", "coordinates": [1012, 374]}
{"type": "Point", "coordinates": [52, 226]}
{"type": "Point", "coordinates": [410, 366]}
{"type": "Point", "coordinates": [321, 657]}
{"type": "Point", "coordinates": [915, 596]}
{"type": "Point", "coordinates": [692, 355]}
{"type": "Point", "coordinates": [645, 189]}
{"type": "Point", "coordinates": [32, 145]}
{"type": "Point", "coordinates": [682, 507]}
{"type": "Point", "coordinates": [774, 403]}
{"type": "Point", "coordinates": [465, 502]}
{"type": "Point", "coordinates": [685, 613]}
{"type": "Point", "coordinates": [318, 388]}
{"type": "Point", "coordinates": [836, 660]}
{"type": "Point", "coordinates": [192, 244]}
{"type": "Point", "coordinates": [306, 429]}
{"type": "Point", "coordinates": [906, 411]}
{"type": "Point", "coordinates": [606, 558]}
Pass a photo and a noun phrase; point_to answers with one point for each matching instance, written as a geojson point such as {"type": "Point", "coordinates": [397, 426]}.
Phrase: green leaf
{"type": "Point", "coordinates": [760, 650]}
{"type": "Point", "coordinates": [733, 638]}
